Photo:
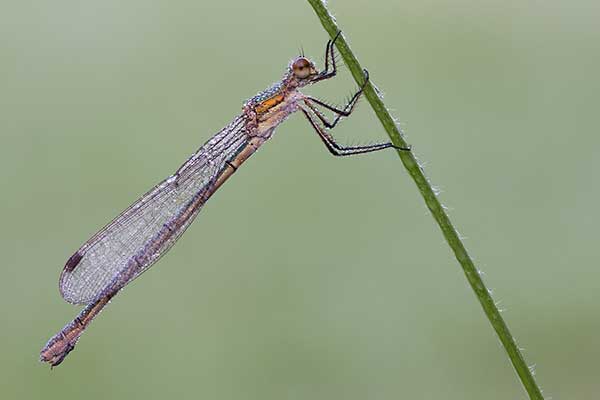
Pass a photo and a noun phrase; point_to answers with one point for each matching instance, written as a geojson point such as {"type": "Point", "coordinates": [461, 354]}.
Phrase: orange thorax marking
{"type": "Point", "coordinates": [269, 103]}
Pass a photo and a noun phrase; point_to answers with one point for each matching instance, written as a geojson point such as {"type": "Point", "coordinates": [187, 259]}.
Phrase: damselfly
{"type": "Point", "coordinates": [144, 232]}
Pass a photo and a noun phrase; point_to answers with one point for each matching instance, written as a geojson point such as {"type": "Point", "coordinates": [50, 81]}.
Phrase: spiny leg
{"type": "Point", "coordinates": [329, 55]}
{"type": "Point", "coordinates": [339, 150]}
{"type": "Point", "coordinates": [324, 120]}
{"type": "Point", "coordinates": [346, 111]}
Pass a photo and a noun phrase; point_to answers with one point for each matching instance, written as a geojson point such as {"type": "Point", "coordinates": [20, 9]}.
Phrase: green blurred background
{"type": "Point", "coordinates": [306, 276]}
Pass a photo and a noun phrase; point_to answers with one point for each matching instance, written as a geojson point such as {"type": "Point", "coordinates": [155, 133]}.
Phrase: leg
{"type": "Point", "coordinates": [329, 54]}
{"type": "Point", "coordinates": [340, 151]}
{"type": "Point", "coordinates": [324, 120]}
{"type": "Point", "coordinates": [346, 111]}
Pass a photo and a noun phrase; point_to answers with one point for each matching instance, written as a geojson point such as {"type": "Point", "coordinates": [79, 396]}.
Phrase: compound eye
{"type": "Point", "coordinates": [302, 68]}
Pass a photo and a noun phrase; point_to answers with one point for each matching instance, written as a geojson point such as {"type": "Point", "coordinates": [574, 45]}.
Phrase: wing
{"type": "Point", "coordinates": [150, 226]}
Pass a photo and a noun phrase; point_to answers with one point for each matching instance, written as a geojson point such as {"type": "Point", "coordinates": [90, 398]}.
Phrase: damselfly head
{"type": "Point", "coordinates": [303, 69]}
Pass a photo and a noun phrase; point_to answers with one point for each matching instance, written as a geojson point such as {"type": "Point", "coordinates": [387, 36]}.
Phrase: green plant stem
{"type": "Point", "coordinates": [434, 205]}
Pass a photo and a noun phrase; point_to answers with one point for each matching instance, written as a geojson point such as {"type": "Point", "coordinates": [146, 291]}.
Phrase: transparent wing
{"type": "Point", "coordinates": [151, 225]}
